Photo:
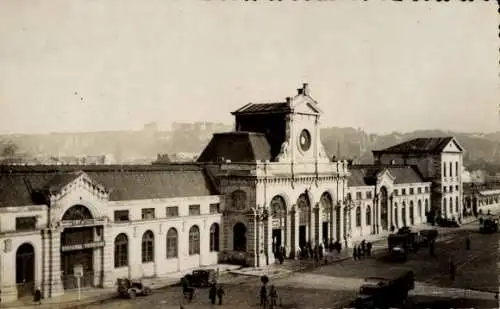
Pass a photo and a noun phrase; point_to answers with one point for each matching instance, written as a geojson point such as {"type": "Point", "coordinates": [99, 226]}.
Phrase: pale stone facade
{"type": "Point", "coordinates": [268, 184]}
{"type": "Point", "coordinates": [41, 256]}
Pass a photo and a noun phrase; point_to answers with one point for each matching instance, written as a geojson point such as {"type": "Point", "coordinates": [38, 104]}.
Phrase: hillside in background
{"type": "Point", "coordinates": [482, 151]}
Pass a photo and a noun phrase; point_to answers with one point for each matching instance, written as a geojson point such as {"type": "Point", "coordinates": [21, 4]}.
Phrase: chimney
{"type": "Point", "coordinates": [288, 100]}
{"type": "Point", "coordinates": [305, 89]}
{"type": "Point", "coordinates": [299, 91]}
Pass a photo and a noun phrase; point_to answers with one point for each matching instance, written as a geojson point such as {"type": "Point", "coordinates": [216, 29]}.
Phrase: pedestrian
{"type": "Point", "coordinates": [467, 242]}
{"type": "Point", "coordinates": [354, 252]}
{"type": "Point", "coordinates": [220, 294]}
{"type": "Point", "coordinates": [263, 296]}
{"type": "Point", "coordinates": [369, 248]}
{"type": "Point", "coordinates": [38, 297]}
{"type": "Point", "coordinates": [273, 295]}
{"type": "Point", "coordinates": [212, 293]}
{"type": "Point", "coordinates": [363, 247]}
{"type": "Point", "coordinates": [360, 253]}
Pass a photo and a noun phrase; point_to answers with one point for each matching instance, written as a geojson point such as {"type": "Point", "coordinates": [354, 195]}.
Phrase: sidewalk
{"type": "Point", "coordinates": [98, 295]}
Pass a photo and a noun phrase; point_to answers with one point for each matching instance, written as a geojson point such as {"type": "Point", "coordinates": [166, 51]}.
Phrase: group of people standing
{"type": "Point", "coordinates": [364, 249]}
{"type": "Point", "coordinates": [213, 293]}
{"type": "Point", "coordinates": [268, 296]}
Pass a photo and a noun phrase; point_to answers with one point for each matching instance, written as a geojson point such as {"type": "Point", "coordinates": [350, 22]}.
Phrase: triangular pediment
{"type": "Point", "coordinates": [385, 174]}
{"type": "Point", "coordinates": [453, 146]}
{"type": "Point", "coordinates": [303, 104]}
{"type": "Point", "coordinates": [65, 183]}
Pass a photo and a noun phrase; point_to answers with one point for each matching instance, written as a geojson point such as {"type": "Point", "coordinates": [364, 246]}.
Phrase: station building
{"type": "Point", "coordinates": [267, 184]}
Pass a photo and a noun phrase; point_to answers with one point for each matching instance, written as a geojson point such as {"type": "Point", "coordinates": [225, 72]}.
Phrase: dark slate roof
{"type": "Point", "coordinates": [366, 175]}
{"type": "Point", "coordinates": [237, 147]}
{"type": "Point", "coordinates": [424, 144]}
{"type": "Point", "coordinates": [267, 108]}
{"type": "Point", "coordinates": [22, 186]}
{"type": "Point", "coordinates": [60, 180]}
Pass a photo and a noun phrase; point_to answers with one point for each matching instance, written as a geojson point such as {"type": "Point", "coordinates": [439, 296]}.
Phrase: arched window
{"type": "Point", "coordinates": [239, 237]}
{"type": "Point", "coordinates": [396, 219]}
{"type": "Point", "coordinates": [412, 213]}
{"type": "Point", "coordinates": [456, 204]}
{"type": "Point", "coordinates": [172, 244]}
{"type": "Point", "coordinates": [358, 216]}
{"type": "Point", "coordinates": [148, 248]}
{"type": "Point", "coordinates": [368, 215]}
{"type": "Point", "coordinates": [194, 240]}
{"type": "Point", "coordinates": [403, 214]}
{"type": "Point", "coordinates": [419, 208]}
{"type": "Point", "coordinates": [121, 251]}
{"type": "Point", "coordinates": [426, 202]}
{"type": "Point", "coordinates": [214, 237]}
{"type": "Point", "coordinates": [451, 205]}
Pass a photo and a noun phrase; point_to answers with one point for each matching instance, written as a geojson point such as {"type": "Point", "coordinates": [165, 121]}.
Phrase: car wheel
{"type": "Point", "coordinates": [147, 291]}
{"type": "Point", "coordinates": [132, 294]}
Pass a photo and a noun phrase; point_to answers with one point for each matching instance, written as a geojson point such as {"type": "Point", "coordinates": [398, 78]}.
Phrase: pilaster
{"type": "Point", "coordinates": [46, 267]}
{"type": "Point", "coordinates": [342, 235]}
{"type": "Point", "coordinates": [108, 278]}
{"type": "Point", "coordinates": [268, 239]}
{"type": "Point", "coordinates": [288, 233]}
{"type": "Point", "coordinates": [56, 287]}
{"type": "Point", "coordinates": [295, 231]}
{"type": "Point", "coordinates": [252, 240]}
{"type": "Point", "coordinates": [311, 237]}
{"type": "Point", "coordinates": [319, 225]}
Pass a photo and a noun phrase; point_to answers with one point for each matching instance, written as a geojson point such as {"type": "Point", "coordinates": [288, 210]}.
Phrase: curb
{"type": "Point", "coordinates": [79, 304]}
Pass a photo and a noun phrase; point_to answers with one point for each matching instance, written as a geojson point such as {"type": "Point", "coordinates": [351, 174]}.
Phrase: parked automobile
{"type": "Point", "coordinates": [489, 225]}
{"type": "Point", "coordinates": [131, 288]}
{"type": "Point", "coordinates": [201, 277]}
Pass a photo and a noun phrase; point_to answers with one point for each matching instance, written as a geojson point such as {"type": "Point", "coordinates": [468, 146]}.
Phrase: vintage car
{"type": "Point", "coordinates": [445, 222]}
{"type": "Point", "coordinates": [131, 288]}
{"type": "Point", "coordinates": [201, 278]}
{"type": "Point", "coordinates": [385, 291]}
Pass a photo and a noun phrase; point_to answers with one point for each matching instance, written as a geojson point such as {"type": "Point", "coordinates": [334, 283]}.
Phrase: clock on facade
{"type": "Point", "coordinates": [305, 140]}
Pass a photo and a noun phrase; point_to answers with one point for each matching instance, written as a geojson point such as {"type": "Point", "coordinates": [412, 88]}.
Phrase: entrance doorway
{"type": "Point", "coordinates": [302, 236]}
{"type": "Point", "coordinates": [326, 237]}
{"type": "Point", "coordinates": [276, 240]}
{"type": "Point", "coordinates": [72, 258]}
{"type": "Point", "coordinates": [25, 270]}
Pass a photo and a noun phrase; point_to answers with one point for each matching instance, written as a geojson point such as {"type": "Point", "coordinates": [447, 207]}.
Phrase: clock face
{"type": "Point", "coordinates": [305, 140]}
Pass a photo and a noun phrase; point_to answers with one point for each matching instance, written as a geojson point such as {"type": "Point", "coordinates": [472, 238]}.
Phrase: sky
{"type": "Point", "coordinates": [382, 66]}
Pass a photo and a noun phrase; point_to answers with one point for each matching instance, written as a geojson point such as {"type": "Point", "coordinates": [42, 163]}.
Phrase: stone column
{"type": "Point", "coordinates": [295, 231]}
{"type": "Point", "coordinates": [268, 239]}
{"type": "Point", "coordinates": [288, 232]}
{"type": "Point", "coordinates": [332, 223]}
{"type": "Point", "coordinates": [319, 226]}
{"type": "Point", "coordinates": [108, 263]}
{"type": "Point", "coordinates": [342, 223]}
{"type": "Point", "coordinates": [56, 286]}
{"type": "Point", "coordinates": [311, 237]}
{"type": "Point", "coordinates": [252, 240]}
{"type": "Point", "coordinates": [46, 267]}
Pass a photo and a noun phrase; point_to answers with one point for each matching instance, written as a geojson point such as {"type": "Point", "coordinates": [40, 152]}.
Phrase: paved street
{"type": "Point", "coordinates": [333, 286]}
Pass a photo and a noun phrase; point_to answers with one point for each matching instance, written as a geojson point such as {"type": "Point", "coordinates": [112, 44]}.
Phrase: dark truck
{"type": "Point", "coordinates": [385, 291]}
{"type": "Point", "coordinates": [403, 242]}
{"type": "Point", "coordinates": [489, 225]}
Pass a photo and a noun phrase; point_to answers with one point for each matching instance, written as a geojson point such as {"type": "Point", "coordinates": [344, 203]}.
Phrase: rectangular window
{"type": "Point", "coordinates": [403, 191]}
{"type": "Point", "coordinates": [148, 213]}
{"type": "Point", "coordinates": [426, 189]}
{"type": "Point", "coordinates": [444, 189]}
{"type": "Point", "coordinates": [369, 194]}
{"type": "Point", "coordinates": [456, 168]}
{"type": "Point", "coordinates": [25, 223]}
{"type": "Point", "coordinates": [396, 192]}
{"type": "Point", "coordinates": [214, 209]}
{"type": "Point", "coordinates": [172, 211]}
{"type": "Point", "coordinates": [358, 195]}
{"type": "Point", "coordinates": [411, 191]}
{"type": "Point", "coordinates": [456, 187]}
{"type": "Point", "coordinates": [122, 215]}
{"type": "Point", "coordinates": [419, 190]}
{"type": "Point", "coordinates": [451, 189]}
{"type": "Point", "coordinates": [194, 210]}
